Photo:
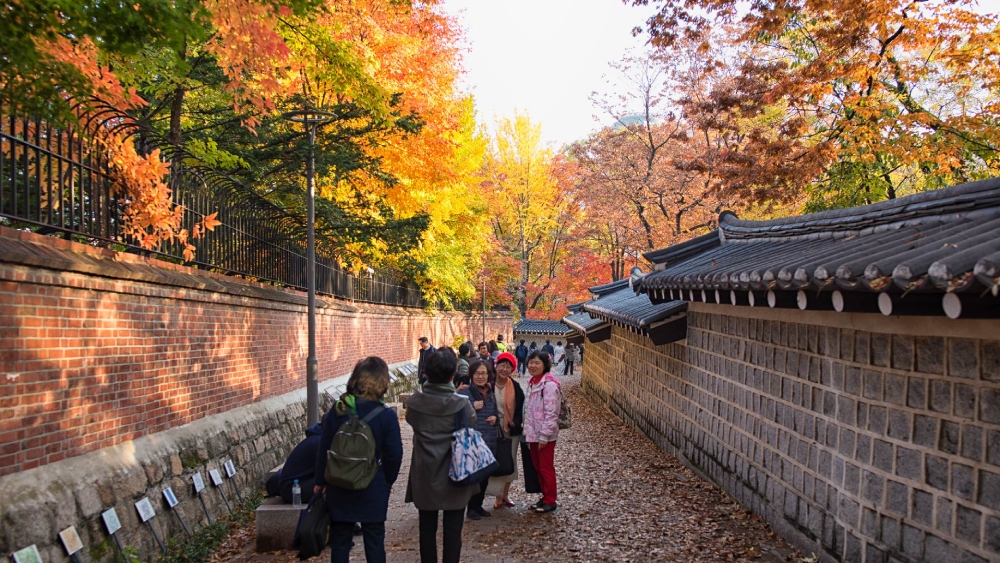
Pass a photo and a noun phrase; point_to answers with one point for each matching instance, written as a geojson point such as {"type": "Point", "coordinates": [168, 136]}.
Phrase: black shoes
{"type": "Point", "coordinates": [538, 504]}
{"type": "Point", "coordinates": [545, 508]}
{"type": "Point", "coordinates": [477, 513]}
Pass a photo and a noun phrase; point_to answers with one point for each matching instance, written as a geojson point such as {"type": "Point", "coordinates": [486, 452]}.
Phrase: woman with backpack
{"type": "Point", "coordinates": [480, 394]}
{"type": "Point", "coordinates": [541, 425]}
{"type": "Point", "coordinates": [349, 499]}
{"type": "Point", "coordinates": [431, 413]}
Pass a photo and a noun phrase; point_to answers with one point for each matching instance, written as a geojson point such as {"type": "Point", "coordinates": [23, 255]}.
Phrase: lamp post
{"type": "Point", "coordinates": [312, 119]}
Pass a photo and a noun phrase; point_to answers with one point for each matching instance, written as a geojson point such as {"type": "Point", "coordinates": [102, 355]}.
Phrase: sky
{"type": "Point", "coordinates": [544, 57]}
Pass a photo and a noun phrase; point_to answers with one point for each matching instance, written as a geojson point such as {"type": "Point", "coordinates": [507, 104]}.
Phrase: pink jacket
{"type": "Point", "coordinates": [541, 410]}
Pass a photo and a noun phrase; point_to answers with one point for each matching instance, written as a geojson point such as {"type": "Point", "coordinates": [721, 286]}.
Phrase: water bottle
{"type": "Point", "coordinates": [296, 494]}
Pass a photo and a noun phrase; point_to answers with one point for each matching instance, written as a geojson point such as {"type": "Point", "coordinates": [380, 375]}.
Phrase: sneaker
{"type": "Point", "coordinates": [473, 514]}
{"type": "Point", "coordinates": [545, 508]}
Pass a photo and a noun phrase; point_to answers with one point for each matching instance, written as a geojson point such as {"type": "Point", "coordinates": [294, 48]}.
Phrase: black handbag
{"type": "Point", "coordinates": [504, 455]}
{"type": "Point", "coordinates": [314, 527]}
{"type": "Point", "coordinates": [530, 475]}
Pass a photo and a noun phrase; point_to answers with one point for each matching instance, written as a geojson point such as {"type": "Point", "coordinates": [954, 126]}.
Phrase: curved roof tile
{"type": "Point", "coordinates": [944, 240]}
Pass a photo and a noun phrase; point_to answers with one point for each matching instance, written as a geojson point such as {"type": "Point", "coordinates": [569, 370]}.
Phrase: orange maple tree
{"type": "Point", "coordinates": [853, 101]}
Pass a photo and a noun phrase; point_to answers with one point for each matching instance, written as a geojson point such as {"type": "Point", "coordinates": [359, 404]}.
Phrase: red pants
{"type": "Point", "coordinates": [545, 465]}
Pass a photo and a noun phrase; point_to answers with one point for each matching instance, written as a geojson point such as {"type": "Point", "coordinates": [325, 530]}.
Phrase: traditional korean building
{"type": "Point", "coordinates": [837, 373]}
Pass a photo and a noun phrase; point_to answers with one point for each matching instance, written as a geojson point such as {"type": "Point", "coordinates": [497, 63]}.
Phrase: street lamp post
{"type": "Point", "coordinates": [312, 119]}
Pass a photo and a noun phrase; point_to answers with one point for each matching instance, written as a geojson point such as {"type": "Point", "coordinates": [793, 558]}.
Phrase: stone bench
{"type": "Point", "coordinates": [276, 523]}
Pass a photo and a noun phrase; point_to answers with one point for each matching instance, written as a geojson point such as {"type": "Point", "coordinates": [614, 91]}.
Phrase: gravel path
{"type": "Point", "coordinates": [620, 499]}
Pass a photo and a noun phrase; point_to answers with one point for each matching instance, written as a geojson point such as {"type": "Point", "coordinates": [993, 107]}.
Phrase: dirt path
{"type": "Point", "coordinates": [620, 499]}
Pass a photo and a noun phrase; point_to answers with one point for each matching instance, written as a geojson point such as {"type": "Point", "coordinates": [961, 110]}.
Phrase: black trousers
{"type": "Point", "coordinates": [477, 499]}
{"type": "Point", "coordinates": [569, 368]}
{"type": "Point", "coordinates": [453, 520]}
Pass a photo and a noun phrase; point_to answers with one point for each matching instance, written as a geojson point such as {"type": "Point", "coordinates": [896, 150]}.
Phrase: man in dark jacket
{"type": "Point", "coordinates": [521, 353]}
{"type": "Point", "coordinates": [301, 465]}
{"type": "Point", "coordinates": [549, 350]}
{"type": "Point", "coordinates": [425, 350]}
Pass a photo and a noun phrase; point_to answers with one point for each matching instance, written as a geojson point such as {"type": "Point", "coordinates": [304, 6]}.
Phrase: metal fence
{"type": "Point", "coordinates": [57, 180]}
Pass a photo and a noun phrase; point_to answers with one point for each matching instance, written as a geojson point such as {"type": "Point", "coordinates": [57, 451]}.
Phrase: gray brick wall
{"type": "Point", "coordinates": [857, 445]}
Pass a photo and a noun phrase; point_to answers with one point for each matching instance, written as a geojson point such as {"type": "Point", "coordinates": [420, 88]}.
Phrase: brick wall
{"type": "Point", "coordinates": [99, 348]}
{"type": "Point", "coordinates": [855, 436]}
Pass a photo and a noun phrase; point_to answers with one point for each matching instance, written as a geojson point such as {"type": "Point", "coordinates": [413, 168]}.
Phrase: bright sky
{"type": "Point", "coordinates": [545, 57]}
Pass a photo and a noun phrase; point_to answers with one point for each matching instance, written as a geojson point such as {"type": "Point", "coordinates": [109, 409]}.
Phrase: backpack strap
{"type": "Point", "coordinates": [375, 412]}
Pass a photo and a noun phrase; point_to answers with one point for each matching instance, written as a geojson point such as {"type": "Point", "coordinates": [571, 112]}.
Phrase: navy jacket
{"type": "Point", "coordinates": [521, 353]}
{"type": "Point", "coordinates": [371, 504]}
{"type": "Point", "coordinates": [489, 431]}
{"type": "Point", "coordinates": [301, 463]}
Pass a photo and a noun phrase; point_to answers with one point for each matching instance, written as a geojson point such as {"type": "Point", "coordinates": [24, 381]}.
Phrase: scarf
{"type": "Point", "coordinates": [508, 404]}
{"type": "Point", "coordinates": [536, 379]}
{"type": "Point", "coordinates": [439, 388]}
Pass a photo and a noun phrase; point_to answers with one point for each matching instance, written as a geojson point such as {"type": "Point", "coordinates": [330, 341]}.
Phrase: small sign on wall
{"type": "Point", "coordinates": [28, 555]}
{"type": "Point", "coordinates": [71, 540]}
{"type": "Point", "coordinates": [145, 509]}
{"type": "Point", "coordinates": [170, 497]}
{"type": "Point", "coordinates": [111, 521]}
{"type": "Point", "coordinates": [199, 482]}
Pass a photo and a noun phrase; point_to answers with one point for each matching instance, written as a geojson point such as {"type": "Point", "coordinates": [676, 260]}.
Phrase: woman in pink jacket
{"type": "Point", "coordinates": [541, 425]}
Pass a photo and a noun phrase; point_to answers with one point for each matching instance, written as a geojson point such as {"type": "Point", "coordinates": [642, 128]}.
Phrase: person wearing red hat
{"type": "Point", "coordinates": [510, 404]}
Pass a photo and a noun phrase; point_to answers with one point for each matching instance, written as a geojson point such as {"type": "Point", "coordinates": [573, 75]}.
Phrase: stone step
{"type": "Point", "coordinates": [276, 523]}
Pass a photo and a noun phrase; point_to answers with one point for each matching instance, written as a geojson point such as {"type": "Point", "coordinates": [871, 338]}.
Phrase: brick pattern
{"type": "Point", "coordinates": [868, 446]}
{"type": "Point", "coordinates": [88, 362]}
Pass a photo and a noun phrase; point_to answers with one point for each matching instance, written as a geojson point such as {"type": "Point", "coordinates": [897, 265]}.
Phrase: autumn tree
{"type": "Point", "coordinates": [638, 174]}
{"type": "Point", "coordinates": [856, 102]}
{"type": "Point", "coordinates": [531, 212]}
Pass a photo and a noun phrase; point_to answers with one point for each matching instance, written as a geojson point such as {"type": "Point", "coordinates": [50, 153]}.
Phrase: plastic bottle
{"type": "Point", "coordinates": [296, 494]}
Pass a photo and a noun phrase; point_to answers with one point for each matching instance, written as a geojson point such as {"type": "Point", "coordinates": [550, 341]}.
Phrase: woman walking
{"type": "Point", "coordinates": [480, 394]}
{"type": "Point", "coordinates": [366, 389]}
{"type": "Point", "coordinates": [541, 425]}
{"type": "Point", "coordinates": [431, 413]}
{"type": "Point", "coordinates": [510, 406]}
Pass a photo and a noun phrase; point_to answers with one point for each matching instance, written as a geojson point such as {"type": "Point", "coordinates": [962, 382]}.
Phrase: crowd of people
{"type": "Point", "coordinates": [478, 385]}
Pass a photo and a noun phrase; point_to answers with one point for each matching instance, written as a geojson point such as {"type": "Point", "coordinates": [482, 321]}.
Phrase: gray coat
{"type": "Point", "coordinates": [432, 417]}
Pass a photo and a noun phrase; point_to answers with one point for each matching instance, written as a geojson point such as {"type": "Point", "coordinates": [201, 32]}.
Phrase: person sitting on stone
{"type": "Point", "coordinates": [301, 465]}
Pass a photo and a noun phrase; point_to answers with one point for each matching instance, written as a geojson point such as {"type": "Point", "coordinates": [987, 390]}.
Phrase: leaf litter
{"type": "Point", "coordinates": [621, 499]}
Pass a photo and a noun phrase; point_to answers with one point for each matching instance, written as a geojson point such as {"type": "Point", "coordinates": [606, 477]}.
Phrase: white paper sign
{"type": "Point", "coordinates": [216, 477]}
{"type": "Point", "coordinates": [199, 482]}
{"type": "Point", "coordinates": [230, 469]}
{"type": "Point", "coordinates": [28, 555]}
{"type": "Point", "coordinates": [71, 540]}
{"type": "Point", "coordinates": [111, 521]}
{"type": "Point", "coordinates": [168, 494]}
{"type": "Point", "coordinates": [145, 509]}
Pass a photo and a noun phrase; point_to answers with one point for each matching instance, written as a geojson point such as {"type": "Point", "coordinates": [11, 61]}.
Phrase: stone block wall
{"type": "Point", "coordinates": [857, 437]}
{"type": "Point", "coordinates": [99, 348]}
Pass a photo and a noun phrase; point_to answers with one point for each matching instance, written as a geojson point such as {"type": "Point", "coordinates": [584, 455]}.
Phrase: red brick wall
{"type": "Point", "coordinates": [88, 361]}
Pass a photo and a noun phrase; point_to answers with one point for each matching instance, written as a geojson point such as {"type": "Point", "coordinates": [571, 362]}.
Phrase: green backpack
{"type": "Point", "coordinates": [350, 461]}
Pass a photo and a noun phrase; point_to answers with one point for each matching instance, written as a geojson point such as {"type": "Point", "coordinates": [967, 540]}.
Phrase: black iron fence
{"type": "Point", "coordinates": [57, 180]}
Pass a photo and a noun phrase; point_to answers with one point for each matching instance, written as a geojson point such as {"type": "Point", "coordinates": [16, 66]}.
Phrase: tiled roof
{"type": "Point", "coordinates": [582, 321]}
{"type": "Point", "coordinates": [530, 326]}
{"type": "Point", "coordinates": [944, 240]}
{"type": "Point", "coordinates": [636, 311]}
{"type": "Point", "coordinates": [679, 252]}
{"type": "Point", "coordinates": [599, 290]}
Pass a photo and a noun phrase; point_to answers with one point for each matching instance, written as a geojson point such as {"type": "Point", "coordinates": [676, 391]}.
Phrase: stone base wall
{"type": "Point", "coordinates": [856, 437]}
